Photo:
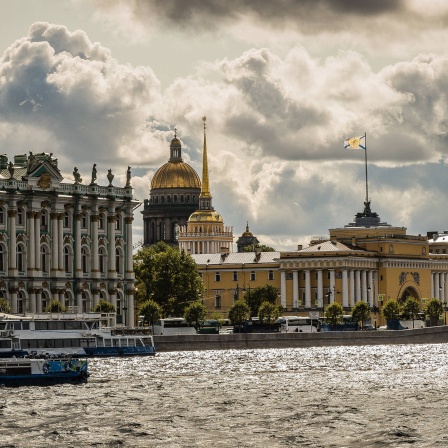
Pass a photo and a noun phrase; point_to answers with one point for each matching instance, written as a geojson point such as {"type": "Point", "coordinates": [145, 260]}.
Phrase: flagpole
{"type": "Point", "coordinates": [365, 155]}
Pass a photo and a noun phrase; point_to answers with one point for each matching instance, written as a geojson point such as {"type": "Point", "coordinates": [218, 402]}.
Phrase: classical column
{"type": "Point", "coordinates": [129, 268]}
{"type": "Point", "coordinates": [95, 259]}
{"type": "Point", "coordinates": [38, 266]}
{"type": "Point", "coordinates": [12, 246]}
{"type": "Point", "coordinates": [113, 301]}
{"type": "Point", "coordinates": [61, 241]}
{"type": "Point", "coordinates": [320, 288]}
{"type": "Point", "coordinates": [295, 289]}
{"type": "Point", "coordinates": [307, 288]}
{"type": "Point", "coordinates": [111, 220]}
{"type": "Point", "coordinates": [54, 242]}
{"type": "Point", "coordinates": [32, 298]}
{"type": "Point", "coordinates": [283, 288]}
{"type": "Point", "coordinates": [364, 285]}
{"type": "Point", "coordinates": [370, 287]}
{"type": "Point", "coordinates": [344, 288]}
{"type": "Point", "coordinates": [78, 217]}
{"type": "Point", "coordinates": [332, 285]}
{"type": "Point", "coordinates": [436, 286]}
{"type": "Point", "coordinates": [351, 274]}
{"type": "Point", "coordinates": [31, 244]}
{"type": "Point", "coordinates": [38, 300]}
{"type": "Point", "coordinates": [95, 296]}
{"type": "Point", "coordinates": [130, 308]}
{"type": "Point", "coordinates": [358, 285]}
{"type": "Point", "coordinates": [13, 293]}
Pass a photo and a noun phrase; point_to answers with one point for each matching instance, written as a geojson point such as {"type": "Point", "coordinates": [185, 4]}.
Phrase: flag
{"type": "Point", "coordinates": [355, 143]}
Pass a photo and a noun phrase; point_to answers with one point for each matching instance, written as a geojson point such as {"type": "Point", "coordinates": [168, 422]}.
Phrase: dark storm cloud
{"type": "Point", "coordinates": [199, 15]}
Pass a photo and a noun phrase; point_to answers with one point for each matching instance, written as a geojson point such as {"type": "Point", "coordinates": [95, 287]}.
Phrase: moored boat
{"type": "Point", "coordinates": [42, 371]}
{"type": "Point", "coordinates": [121, 346]}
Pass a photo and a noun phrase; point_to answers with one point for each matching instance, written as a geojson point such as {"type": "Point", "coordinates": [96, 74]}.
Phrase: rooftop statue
{"type": "Point", "coordinates": [77, 176]}
{"type": "Point", "coordinates": [93, 174]}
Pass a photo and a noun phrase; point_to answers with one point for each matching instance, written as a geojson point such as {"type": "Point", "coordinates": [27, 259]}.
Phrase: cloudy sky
{"type": "Point", "coordinates": [283, 83]}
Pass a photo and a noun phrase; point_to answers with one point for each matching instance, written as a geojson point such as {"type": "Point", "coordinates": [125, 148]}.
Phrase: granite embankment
{"type": "Point", "coordinates": [431, 335]}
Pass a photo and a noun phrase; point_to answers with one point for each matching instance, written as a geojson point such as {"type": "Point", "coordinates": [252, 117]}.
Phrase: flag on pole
{"type": "Point", "coordinates": [355, 143]}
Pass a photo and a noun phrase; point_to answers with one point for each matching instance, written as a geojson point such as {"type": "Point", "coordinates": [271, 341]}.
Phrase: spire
{"type": "Point", "coordinates": [205, 198]}
{"type": "Point", "coordinates": [247, 226]}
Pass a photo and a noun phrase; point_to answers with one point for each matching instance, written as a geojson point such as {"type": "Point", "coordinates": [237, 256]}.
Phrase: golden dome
{"type": "Point", "coordinates": [176, 175]}
{"type": "Point", "coordinates": [205, 216]}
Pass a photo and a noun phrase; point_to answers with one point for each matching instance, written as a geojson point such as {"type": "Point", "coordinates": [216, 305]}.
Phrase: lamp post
{"type": "Point", "coordinates": [444, 310]}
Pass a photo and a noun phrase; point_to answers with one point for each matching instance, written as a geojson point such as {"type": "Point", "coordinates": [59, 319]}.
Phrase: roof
{"type": "Point", "coordinates": [175, 175]}
{"type": "Point", "coordinates": [236, 258]}
{"type": "Point", "coordinates": [327, 246]}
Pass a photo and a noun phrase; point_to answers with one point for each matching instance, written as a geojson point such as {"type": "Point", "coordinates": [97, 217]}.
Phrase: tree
{"type": "Point", "coordinates": [195, 314]}
{"type": "Point", "coordinates": [255, 297]}
{"type": "Point", "coordinates": [151, 311]}
{"type": "Point", "coordinates": [268, 313]}
{"type": "Point", "coordinates": [411, 308]}
{"type": "Point", "coordinates": [169, 276]}
{"type": "Point", "coordinates": [333, 313]}
{"type": "Point", "coordinates": [55, 307]}
{"type": "Point", "coordinates": [4, 307]}
{"type": "Point", "coordinates": [104, 306]}
{"type": "Point", "coordinates": [361, 312]}
{"type": "Point", "coordinates": [258, 247]}
{"type": "Point", "coordinates": [239, 312]}
{"type": "Point", "coordinates": [434, 309]}
{"type": "Point", "coordinates": [391, 311]}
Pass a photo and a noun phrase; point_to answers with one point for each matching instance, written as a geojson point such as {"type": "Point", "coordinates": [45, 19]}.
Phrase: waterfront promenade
{"type": "Point", "coordinates": [430, 335]}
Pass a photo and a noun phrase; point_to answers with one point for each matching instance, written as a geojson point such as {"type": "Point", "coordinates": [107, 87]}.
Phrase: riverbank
{"type": "Point", "coordinates": [431, 335]}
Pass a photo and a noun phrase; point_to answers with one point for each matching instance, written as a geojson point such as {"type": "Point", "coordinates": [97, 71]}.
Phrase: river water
{"type": "Point", "coordinates": [381, 396]}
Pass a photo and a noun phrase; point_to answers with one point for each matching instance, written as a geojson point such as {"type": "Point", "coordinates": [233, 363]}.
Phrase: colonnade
{"type": "Point", "coordinates": [439, 286]}
{"type": "Point", "coordinates": [354, 285]}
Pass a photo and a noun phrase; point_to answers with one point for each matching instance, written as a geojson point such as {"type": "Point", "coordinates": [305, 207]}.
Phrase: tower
{"type": "Point", "coordinates": [205, 231]}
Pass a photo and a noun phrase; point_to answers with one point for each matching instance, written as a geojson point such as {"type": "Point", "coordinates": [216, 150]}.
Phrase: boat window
{"type": "Point", "coordinates": [25, 325]}
{"type": "Point", "coordinates": [5, 343]}
{"type": "Point", "coordinates": [2, 325]}
{"type": "Point", "coordinates": [17, 325]}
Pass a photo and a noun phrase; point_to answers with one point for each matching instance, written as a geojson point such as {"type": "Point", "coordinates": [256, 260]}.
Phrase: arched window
{"type": "Point", "coordinates": [21, 302]}
{"type": "Point", "coordinates": [68, 259]}
{"type": "Point", "coordinates": [85, 258]}
{"type": "Point", "coordinates": [118, 222]}
{"type": "Point", "coordinates": [102, 260]}
{"type": "Point", "coordinates": [101, 221]}
{"type": "Point", "coordinates": [253, 276]}
{"type": "Point", "coordinates": [2, 216]}
{"type": "Point", "coordinates": [45, 258]}
{"type": "Point", "coordinates": [45, 299]}
{"type": "Point", "coordinates": [67, 297]}
{"type": "Point", "coordinates": [20, 258]}
{"type": "Point", "coordinates": [118, 261]}
{"type": "Point", "coordinates": [84, 220]}
{"type": "Point", "coordinates": [84, 298]}
{"type": "Point", "coordinates": [44, 220]}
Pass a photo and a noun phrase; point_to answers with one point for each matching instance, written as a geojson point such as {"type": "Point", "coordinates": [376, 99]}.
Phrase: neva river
{"type": "Point", "coordinates": [382, 396]}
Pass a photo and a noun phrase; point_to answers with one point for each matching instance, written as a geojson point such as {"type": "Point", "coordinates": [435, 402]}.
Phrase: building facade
{"type": "Point", "coordinates": [174, 196]}
{"type": "Point", "coordinates": [64, 240]}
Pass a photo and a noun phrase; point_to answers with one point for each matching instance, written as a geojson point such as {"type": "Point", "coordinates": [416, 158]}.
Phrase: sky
{"type": "Point", "coordinates": [282, 85]}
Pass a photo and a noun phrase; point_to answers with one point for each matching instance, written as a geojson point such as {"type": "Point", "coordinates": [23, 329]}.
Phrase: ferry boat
{"type": "Point", "coordinates": [31, 372]}
{"type": "Point", "coordinates": [79, 334]}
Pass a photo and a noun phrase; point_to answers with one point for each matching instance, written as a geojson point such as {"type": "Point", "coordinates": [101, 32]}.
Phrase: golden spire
{"type": "Point", "coordinates": [205, 189]}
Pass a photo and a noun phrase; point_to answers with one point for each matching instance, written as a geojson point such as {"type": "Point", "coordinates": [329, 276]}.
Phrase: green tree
{"type": "Point", "coordinates": [151, 312]}
{"type": "Point", "coordinates": [55, 307]}
{"type": "Point", "coordinates": [239, 312]}
{"type": "Point", "coordinates": [4, 307]}
{"type": "Point", "coordinates": [268, 313]}
{"type": "Point", "coordinates": [434, 309]}
{"type": "Point", "coordinates": [195, 314]}
{"type": "Point", "coordinates": [103, 306]}
{"type": "Point", "coordinates": [361, 312]}
{"type": "Point", "coordinates": [256, 296]}
{"type": "Point", "coordinates": [169, 276]}
{"type": "Point", "coordinates": [411, 308]}
{"type": "Point", "coordinates": [333, 313]}
{"type": "Point", "coordinates": [391, 311]}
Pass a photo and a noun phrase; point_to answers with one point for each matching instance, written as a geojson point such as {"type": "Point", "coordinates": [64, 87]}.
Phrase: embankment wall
{"type": "Point", "coordinates": [432, 335]}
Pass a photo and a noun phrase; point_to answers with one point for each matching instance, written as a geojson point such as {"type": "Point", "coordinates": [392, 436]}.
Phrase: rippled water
{"type": "Point", "coordinates": [381, 396]}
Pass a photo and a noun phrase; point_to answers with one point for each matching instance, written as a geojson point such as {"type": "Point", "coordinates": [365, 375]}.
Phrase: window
{"type": "Point", "coordinates": [20, 258]}
{"type": "Point", "coordinates": [66, 219]}
{"type": "Point", "coordinates": [44, 220]}
{"type": "Point", "coordinates": [303, 276]}
{"type": "Point", "coordinates": [84, 302]}
{"type": "Point", "coordinates": [253, 276]}
{"type": "Point", "coordinates": [20, 217]}
{"type": "Point", "coordinates": [84, 260]}
{"type": "Point", "coordinates": [21, 302]}
{"type": "Point", "coordinates": [102, 260]}
{"type": "Point", "coordinates": [101, 221]}
{"type": "Point", "coordinates": [2, 257]}
{"type": "Point", "coordinates": [200, 275]}
{"type": "Point", "coordinates": [217, 301]}
{"type": "Point", "coordinates": [84, 221]}
{"type": "Point", "coordinates": [118, 223]}
{"type": "Point", "coordinates": [235, 276]}
{"type": "Point", "coordinates": [2, 216]}
{"type": "Point", "coordinates": [44, 299]}
{"type": "Point", "coordinates": [315, 276]}
{"type": "Point", "coordinates": [271, 275]}
{"type": "Point", "coordinates": [118, 259]}
{"type": "Point", "coordinates": [66, 299]}
{"type": "Point", "coordinates": [45, 258]}
{"type": "Point", "coordinates": [67, 260]}
{"type": "Point", "coordinates": [217, 277]}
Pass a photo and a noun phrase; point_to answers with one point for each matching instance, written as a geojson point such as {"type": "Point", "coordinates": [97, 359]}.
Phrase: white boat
{"type": "Point", "coordinates": [80, 334]}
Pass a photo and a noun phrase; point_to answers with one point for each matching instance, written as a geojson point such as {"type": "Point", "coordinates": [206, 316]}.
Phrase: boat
{"type": "Point", "coordinates": [76, 334]}
{"type": "Point", "coordinates": [42, 371]}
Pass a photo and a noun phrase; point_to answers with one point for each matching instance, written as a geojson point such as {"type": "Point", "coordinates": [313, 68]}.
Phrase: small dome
{"type": "Point", "coordinates": [175, 142]}
{"type": "Point", "coordinates": [205, 216]}
{"type": "Point", "coordinates": [176, 175]}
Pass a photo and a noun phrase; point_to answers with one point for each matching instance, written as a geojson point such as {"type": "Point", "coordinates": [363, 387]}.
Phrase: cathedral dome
{"type": "Point", "coordinates": [176, 175]}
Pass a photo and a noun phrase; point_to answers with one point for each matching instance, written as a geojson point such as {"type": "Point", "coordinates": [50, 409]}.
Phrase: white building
{"type": "Point", "coordinates": [64, 240]}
